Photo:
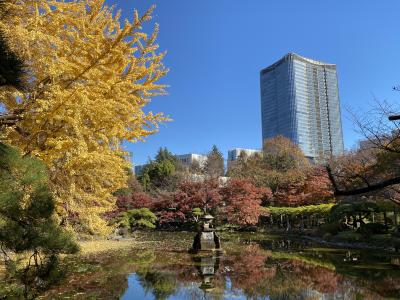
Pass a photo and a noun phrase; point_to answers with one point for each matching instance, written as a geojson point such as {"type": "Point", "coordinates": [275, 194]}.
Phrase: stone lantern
{"type": "Point", "coordinates": [206, 239]}
{"type": "Point", "coordinates": [207, 220]}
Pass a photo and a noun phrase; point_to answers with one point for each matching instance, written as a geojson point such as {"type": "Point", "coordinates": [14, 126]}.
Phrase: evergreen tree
{"type": "Point", "coordinates": [30, 238]}
{"type": "Point", "coordinates": [164, 154]}
{"type": "Point", "coordinates": [11, 66]}
{"type": "Point", "coordinates": [12, 71]}
{"type": "Point", "coordinates": [214, 167]}
{"type": "Point", "coordinates": [164, 173]}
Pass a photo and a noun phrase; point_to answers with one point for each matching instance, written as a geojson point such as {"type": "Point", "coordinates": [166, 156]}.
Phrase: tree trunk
{"type": "Point", "coordinates": [287, 223]}
{"type": "Point", "coordinates": [354, 218]}
{"type": "Point", "coordinates": [360, 218]}
{"type": "Point", "coordinates": [301, 223]}
{"type": "Point", "coordinates": [385, 218]}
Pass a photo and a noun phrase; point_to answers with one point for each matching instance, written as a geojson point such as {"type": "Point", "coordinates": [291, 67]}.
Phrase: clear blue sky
{"type": "Point", "coordinates": [216, 49]}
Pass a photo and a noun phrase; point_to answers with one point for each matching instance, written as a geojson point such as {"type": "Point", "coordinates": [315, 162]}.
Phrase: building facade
{"type": "Point", "coordinates": [300, 100]}
{"type": "Point", "coordinates": [138, 169]}
{"type": "Point", "coordinates": [234, 154]}
{"type": "Point", "coordinates": [188, 159]}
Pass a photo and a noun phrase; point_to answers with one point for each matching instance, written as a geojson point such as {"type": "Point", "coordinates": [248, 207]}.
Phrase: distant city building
{"type": "Point", "coordinates": [222, 180]}
{"type": "Point", "coordinates": [366, 144]}
{"type": "Point", "coordinates": [138, 169]}
{"type": "Point", "coordinates": [300, 100]}
{"type": "Point", "coordinates": [234, 154]}
{"type": "Point", "coordinates": [188, 159]}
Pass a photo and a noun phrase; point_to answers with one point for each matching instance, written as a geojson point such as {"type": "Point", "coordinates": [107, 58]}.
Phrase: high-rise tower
{"type": "Point", "coordinates": [300, 100]}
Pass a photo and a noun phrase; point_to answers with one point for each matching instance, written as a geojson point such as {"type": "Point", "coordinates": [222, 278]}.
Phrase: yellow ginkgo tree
{"type": "Point", "coordinates": [89, 76]}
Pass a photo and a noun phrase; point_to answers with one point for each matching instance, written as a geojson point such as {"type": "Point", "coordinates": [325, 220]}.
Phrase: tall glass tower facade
{"type": "Point", "coordinates": [300, 100]}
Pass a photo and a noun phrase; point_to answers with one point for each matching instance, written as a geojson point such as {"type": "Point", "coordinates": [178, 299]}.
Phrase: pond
{"type": "Point", "coordinates": [253, 266]}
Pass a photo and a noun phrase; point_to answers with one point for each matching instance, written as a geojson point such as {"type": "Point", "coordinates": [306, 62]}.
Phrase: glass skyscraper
{"type": "Point", "coordinates": [300, 100]}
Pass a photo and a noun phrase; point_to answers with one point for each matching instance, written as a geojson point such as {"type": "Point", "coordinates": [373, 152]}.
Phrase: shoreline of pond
{"type": "Point", "coordinates": [137, 236]}
{"type": "Point", "coordinates": [341, 244]}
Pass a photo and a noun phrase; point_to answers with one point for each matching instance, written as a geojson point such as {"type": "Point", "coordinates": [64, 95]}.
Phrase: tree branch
{"type": "Point", "coordinates": [363, 190]}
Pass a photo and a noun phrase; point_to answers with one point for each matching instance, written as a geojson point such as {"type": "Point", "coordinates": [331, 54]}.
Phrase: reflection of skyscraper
{"type": "Point", "coordinates": [300, 100]}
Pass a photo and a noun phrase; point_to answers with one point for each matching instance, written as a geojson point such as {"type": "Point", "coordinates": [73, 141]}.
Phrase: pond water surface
{"type": "Point", "coordinates": [253, 266]}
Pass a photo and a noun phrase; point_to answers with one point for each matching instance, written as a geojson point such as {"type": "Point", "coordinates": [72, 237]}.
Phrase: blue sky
{"type": "Point", "coordinates": [216, 49]}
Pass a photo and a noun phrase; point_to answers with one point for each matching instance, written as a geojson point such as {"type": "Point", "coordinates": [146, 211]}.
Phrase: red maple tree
{"type": "Point", "coordinates": [242, 201]}
{"type": "Point", "coordinates": [316, 188]}
{"type": "Point", "coordinates": [178, 207]}
{"type": "Point", "coordinates": [131, 201]}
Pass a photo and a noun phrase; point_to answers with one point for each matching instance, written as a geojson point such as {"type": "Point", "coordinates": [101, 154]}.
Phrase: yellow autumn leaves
{"type": "Point", "coordinates": [88, 79]}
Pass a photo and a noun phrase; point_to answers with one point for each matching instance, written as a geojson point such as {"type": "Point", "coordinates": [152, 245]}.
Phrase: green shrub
{"type": "Point", "coordinates": [340, 210]}
{"type": "Point", "coordinates": [371, 228]}
{"type": "Point", "coordinates": [382, 240]}
{"type": "Point", "coordinates": [349, 236]}
{"type": "Point", "coordinates": [321, 210]}
{"type": "Point", "coordinates": [197, 213]}
{"type": "Point", "coordinates": [137, 218]}
{"type": "Point", "coordinates": [332, 228]}
{"type": "Point", "coordinates": [228, 227]}
{"type": "Point", "coordinates": [395, 242]}
{"type": "Point", "coordinates": [327, 236]}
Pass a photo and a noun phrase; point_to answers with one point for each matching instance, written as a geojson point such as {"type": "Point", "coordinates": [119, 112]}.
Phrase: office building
{"type": "Point", "coordinates": [234, 154]}
{"type": "Point", "coordinates": [138, 169]}
{"type": "Point", "coordinates": [188, 159]}
{"type": "Point", "coordinates": [300, 100]}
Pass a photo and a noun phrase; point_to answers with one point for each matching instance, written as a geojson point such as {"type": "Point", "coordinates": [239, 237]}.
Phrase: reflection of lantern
{"type": "Point", "coordinates": [207, 268]}
{"type": "Point", "coordinates": [207, 284]}
{"type": "Point", "coordinates": [207, 265]}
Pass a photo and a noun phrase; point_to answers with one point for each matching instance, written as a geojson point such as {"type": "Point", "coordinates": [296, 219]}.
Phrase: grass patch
{"type": "Point", "coordinates": [92, 247]}
{"type": "Point", "coordinates": [326, 250]}
{"type": "Point", "coordinates": [374, 266]}
{"type": "Point", "coordinates": [307, 260]}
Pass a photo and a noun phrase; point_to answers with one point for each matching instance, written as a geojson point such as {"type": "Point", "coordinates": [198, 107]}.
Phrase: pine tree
{"type": "Point", "coordinates": [214, 166]}
{"type": "Point", "coordinates": [11, 66]}
{"type": "Point", "coordinates": [12, 70]}
{"type": "Point", "coordinates": [27, 226]}
{"type": "Point", "coordinates": [89, 79]}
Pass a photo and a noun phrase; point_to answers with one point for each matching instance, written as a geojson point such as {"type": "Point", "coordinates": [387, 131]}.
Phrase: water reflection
{"type": "Point", "coordinates": [207, 267]}
{"type": "Point", "coordinates": [249, 269]}
{"type": "Point", "coordinates": [257, 273]}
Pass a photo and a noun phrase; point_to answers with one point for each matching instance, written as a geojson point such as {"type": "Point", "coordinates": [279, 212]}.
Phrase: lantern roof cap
{"type": "Point", "coordinates": [208, 217]}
